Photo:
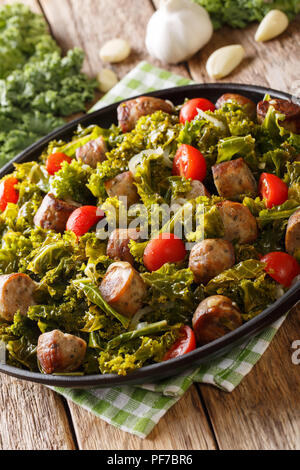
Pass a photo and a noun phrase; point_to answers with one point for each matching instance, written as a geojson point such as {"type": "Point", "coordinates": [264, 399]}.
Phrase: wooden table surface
{"type": "Point", "coordinates": [264, 411]}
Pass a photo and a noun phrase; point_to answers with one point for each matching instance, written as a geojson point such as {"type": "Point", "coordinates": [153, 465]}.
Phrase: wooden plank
{"type": "Point", "coordinates": [264, 411]}
{"type": "Point", "coordinates": [98, 22]}
{"type": "Point", "coordinates": [32, 417]}
{"type": "Point", "coordinates": [184, 427]}
{"type": "Point", "coordinates": [274, 63]}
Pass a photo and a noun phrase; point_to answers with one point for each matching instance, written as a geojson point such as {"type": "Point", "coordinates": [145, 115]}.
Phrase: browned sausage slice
{"type": "Point", "coordinates": [123, 288]}
{"type": "Point", "coordinates": [118, 244]}
{"type": "Point", "coordinates": [234, 178]}
{"type": "Point", "coordinates": [246, 103]}
{"type": "Point", "coordinates": [290, 110]}
{"type": "Point", "coordinates": [59, 352]}
{"type": "Point", "coordinates": [93, 152]}
{"type": "Point", "coordinates": [209, 258]}
{"type": "Point", "coordinates": [215, 317]}
{"type": "Point", "coordinates": [130, 111]}
{"type": "Point", "coordinates": [16, 293]}
{"type": "Point", "coordinates": [53, 213]}
{"type": "Point", "coordinates": [123, 186]}
{"type": "Point", "coordinates": [239, 224]}
{"type": "Point", "coordinates": [292, 237]}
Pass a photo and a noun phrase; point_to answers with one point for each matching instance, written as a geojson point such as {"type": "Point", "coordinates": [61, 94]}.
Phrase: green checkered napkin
{"type": "Point", "coordinates": [137, 409]}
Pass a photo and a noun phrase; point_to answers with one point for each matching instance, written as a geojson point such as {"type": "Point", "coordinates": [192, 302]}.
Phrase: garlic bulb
{"type": "Point", "coordinates": [177, 30]}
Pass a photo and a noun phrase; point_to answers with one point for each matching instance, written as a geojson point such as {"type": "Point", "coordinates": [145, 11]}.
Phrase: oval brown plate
{"type": "Point", "coordinates": [105, 117]}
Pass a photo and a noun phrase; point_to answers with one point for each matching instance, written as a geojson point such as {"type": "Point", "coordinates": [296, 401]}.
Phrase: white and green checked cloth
{"type": "Point", "coordinates": [137, 409]}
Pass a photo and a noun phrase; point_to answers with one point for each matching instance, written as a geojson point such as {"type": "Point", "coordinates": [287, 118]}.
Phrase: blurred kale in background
{"type": "Point", "coordinates": [38, 86]}
{"type": "Point", "coordinates": [238, 13]}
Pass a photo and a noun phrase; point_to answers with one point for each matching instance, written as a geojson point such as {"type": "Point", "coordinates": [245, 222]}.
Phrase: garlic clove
{"type": "Point", "coordinates": [107, 79]}
{"type": "Point", "coordinates": [272, 25]}
{"type": "Point", "coordinates": [115, 50]}
{"type": "Point", "coordinates": [224, 60]}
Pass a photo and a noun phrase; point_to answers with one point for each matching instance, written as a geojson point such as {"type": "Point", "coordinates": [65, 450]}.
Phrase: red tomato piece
{"type": "Point", "coordinates": [282, 267]}
{"type": "Point", "coordinates": [273, 190]}
{"type": "Point", "coordinates": [83, 219]}
{"type": "Point", "coordinates": [190, 163]}
{"type": "Point", "coordinates": [8, 193]}
{"type": "Point", "coordinates": [166, 248]}
{"type": "Point", "coordinates": [190, 109]}
{"type": "Point", "coordinates": [185, 344]}
{"type": "Point", "coordinates": [55, 161]}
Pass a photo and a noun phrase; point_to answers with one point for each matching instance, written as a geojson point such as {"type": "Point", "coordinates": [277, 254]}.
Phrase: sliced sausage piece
{"type": "Point", "coordinates": [59, 352]}
{"type": "Point", "coordinates": [239, 224]}
{"type": "Point", "coordinates": [234, 178]}
{"type": "Point", "coordinates": [118, 244]}
{"type": "Point", "coordinates": [197, 189]}
{"type": "Point", "coordinates": [215, 317]}
{"type": "Point", "coordinates": [123, 288]}
{"type": "Point", "coordinates": [16, 293]}
{"type": "Point", "coordinates": [93, 152]}
{"type": "Point", "coordinates": [123, 186]}
{"type": "Point", "coordinates": [290, 110]}
{"type": "Point", "coordinates": [292, 237]}
{"type": "Point", "coordinates": [53, 213]}
{"type": "Point", "coordinates": [246, 103]}
{"type": "Point", "coordinates": [209, 258]}
{"type": "Point", "coordinates": [130, 111]}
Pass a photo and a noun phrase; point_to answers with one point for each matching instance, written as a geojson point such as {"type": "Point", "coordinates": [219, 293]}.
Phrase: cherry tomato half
{"type": "Point", "coordinates": [281, 267]}
{"type": "Point", "coordinates": [273, 190]}
{"type": "Point", "coordinates": [190, 163]}
{"type": "Point", "coordinates": [83, 219]}
{"type": "Point", "coordinates": [8, 193]}
{"type": "Point", "coordinates": [55, 161]}
{"type": "Point", "coordinates": [166, 248]}
{"type": "Point", "coordinates": [190, 109]}
{"type": "Point", "coordinates": [185, 344]}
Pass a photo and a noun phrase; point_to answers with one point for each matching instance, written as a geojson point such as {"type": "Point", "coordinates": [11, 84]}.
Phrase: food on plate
{"type": "Point", "coordinates": [272, 25]}
{"type": "Point", "coordinates": [133, 245]}
{"type": "Point", "coordinates": [123, 186]}
{"type": "Point", "coordinates": [177, 30]}
{"type": "Point", "coordinates": [115, 50]}
{"type": "Point", "coordinates": [53, 213]}
{"type": "Point", "coordinates": [123, 288]}
{"type": "Point", "coordinates": [272, 189]}
{"type": "Point", "coordinates": [8, 192]}
{"type": "Point", "coordinates": [224, 60]}
{"type": "Point", "coordinates": [189, 163]}
{"type": "Point", "coordinates": [282, 267]}
{"type": "Point", "coordinates": [210, 258]}
{"type": "Point", "coordinates": [55, 160]}
{"type": "Point", "coordinates": [292, 237]}
{"type": "Point", "coordinates": [191, 108]}
{"type": "Point", "coordinates": [16, 294]}
{"type": "Point", "coordinates": [289, 113]}
{"type": "Point", "coordinates": [130, 111]}
{"type": "Point", "coordinates": [118, 244]}
{"type": "Point", "coordinates": [239, 224]}
{"type": "Point", "coordinates": [214, 317]}
{"type": "Point", "coordinates": [59, 352]}
{"type": "Point", "coordinates": [83, 219]}
{"type": "Point", "coordinates": [233, 178]}
{"type": "Point", "coordinates": [247, 104]}
{"type": "Point", "coordinates": [92, 152]}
